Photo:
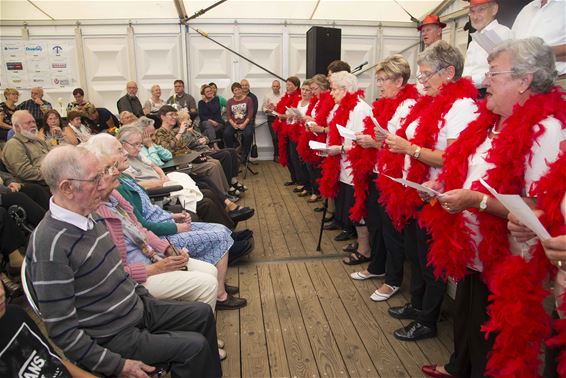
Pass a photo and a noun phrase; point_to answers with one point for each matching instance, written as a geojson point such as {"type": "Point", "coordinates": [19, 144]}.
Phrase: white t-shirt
{"type": "Point", "coordinates": [547, 22]}
{"type": "Point", "coordinates": [545, 150]}
{"type": "Point", "coordinates": [476, 57]}
{"type": "Point", "coordinates": [303, 109]}
{"type": "Point", "coordinates": [462, 112]}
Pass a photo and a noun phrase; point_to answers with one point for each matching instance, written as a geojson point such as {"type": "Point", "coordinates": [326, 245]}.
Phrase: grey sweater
{"type": "Point", "coordinates": [82, 291]}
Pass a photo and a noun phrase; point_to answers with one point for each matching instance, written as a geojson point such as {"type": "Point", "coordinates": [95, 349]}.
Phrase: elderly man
{"type": "Point", "coordinates": [24, 152]}
{"type": "Point", "coordinates": [181, 100]}
{"type": "Point", "coordinates": [130, 101]}
{"type": "Point", "coordinates": [431, 29]}
{"type": "Point", "coordinates": [36, 105]}
{"type": "Point", "coordinates": [268, 106]}
{"type": "Point", "coordinates": [93, 310]}
{"type": "Point", "coordinates": [246, 89]}
{"type": "Point", "coordinates": [483, 18]}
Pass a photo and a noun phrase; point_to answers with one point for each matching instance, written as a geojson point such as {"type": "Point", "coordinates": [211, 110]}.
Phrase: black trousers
{"type": "Point", "coordinates": [299, 167]}
{"type": "Point", "coordinates": [228, 158]}
{"type": "Point", "coordinates": [470, 346]}
{"type": "Point", "coordinates": [314, 173]}
{"type": "Point", "coordinates": [11, 237]}
{"type": "Point", "coordinates": [374, 224]}
{"type": "Point", "coordinates": [270, 120]}
{"type": "Point", "coordinates": [32, 198]}
{"type": "Point", "coordinates": [172, 333]}
{"type": "Point", "coordinates": [343, 202]}
{"type": "Point", "coordinates": [427, 293]}
{"type": "Point", "coordinates": [551, 356]}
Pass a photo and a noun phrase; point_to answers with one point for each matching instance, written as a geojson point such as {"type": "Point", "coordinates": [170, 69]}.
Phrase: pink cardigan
{"type": "Point", "coordinates": [136, 271]}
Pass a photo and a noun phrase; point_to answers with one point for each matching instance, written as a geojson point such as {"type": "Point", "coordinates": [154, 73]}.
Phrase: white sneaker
{"type": "Point", "coordinates": [380, 297]}
{"type": "Point", "coordinates": [359, 276]}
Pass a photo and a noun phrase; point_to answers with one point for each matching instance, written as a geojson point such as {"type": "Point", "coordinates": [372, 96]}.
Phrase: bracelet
{"type": "Point", "coordinates": [417, 152]}
{"type": "Point", "coordinates": [483, 203]}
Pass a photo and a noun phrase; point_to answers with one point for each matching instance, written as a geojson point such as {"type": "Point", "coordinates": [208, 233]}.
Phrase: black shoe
{"type": "Point", "coordinates": [241, 214]}
{"type": "Point", "coordinates": [240, 187]}
{"type": "Point", "coordinates": [239, 250]}
{"type": "Point", "coordinates": [289, 183]}
{"type": "Point", "coordinates": [231, 303]}
{"type": "Point", "coordinates": [345, 235]}
{"type": "Point", "coordinates": [414, 331]}
{"type": "Point", "coordinates": [242, 235]}
{"type": "Point", "coordinates": [331, 226]}
{"type": "Point", "coordinates": [231, 290]}
{"type": "Point", "coordinates": [318, 209]}
{"type": "Point", "coordinates": [404, 312]}
{"type": "Point", "coordinates": [232, 198]}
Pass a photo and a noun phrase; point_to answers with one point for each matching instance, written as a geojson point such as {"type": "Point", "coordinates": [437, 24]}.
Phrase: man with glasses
{"type": "Point", "coordinates": [92, 309]}
{"type": "Point", "coordinates": [130, 101]}
{"type": "Point", "coordinates": [483, 15]}
{"type": "Point", "coordinates": [24, 152]}
{"type": "Point", "coordinates": [182, 100]}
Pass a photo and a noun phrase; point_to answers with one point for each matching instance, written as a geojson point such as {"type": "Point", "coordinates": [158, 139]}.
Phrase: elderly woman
{"type": "Point", "coordinates": [52, 130]}
{"type": "Point", "coordinates": [155, 102]}
{"type": "Point", "coordinates": [205, 241]}
{"type": "Point", "coordinates": [210, 114]}
{"type": "Point", "coordinates": [349, 111]}
{"type": "Point", "coordinates": [396, 99]}
{"type": "Point", "coordinates": [126, 117]}
{"type": "Point", "coordinates": [415, 152]}
{"type": "Point", "coordinates": [8, 107]}
{"type": "Point", "coordinates": [76, 132]}
{"type": "Point", "coordinates": [290, 99]}
{"type": "Point", "coordinates": [510, 145]}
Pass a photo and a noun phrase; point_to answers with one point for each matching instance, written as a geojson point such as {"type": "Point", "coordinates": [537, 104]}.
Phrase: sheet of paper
{"type": "Point", "coordinates": [346, 133]}
{"type": "Point", "coordinates": [294, 111]}
{"type": "Point", "coordinates": [414, 185]}
{"type": "Point", "coordinates": [515, 204]}
{"type": "Point", "coordinates": [378, 127]}
{"type": "Point", "coordinates": [319, 146]}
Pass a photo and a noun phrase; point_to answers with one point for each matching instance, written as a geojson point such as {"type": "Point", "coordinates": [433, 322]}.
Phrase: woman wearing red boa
{"type": "Point", "coordinates": [396, 100]}
{"type": "Point", "coordinates": [315, 121]}
{"type": "Point", "coordinates": [510, 145]}
{"type": "Point", "coordinates": [289, 100]}
{"type": "Point", "coordinates": [336, 181]}
{"type": "Point", "coordinates": [415, 153]}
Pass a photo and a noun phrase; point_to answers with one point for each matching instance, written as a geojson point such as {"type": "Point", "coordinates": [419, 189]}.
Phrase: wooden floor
{"type": "Point", "coordinates": [305, 316]}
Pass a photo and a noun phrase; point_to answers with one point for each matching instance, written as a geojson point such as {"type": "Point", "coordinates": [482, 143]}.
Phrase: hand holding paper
{"type": "Point", "coordinates": [318, 146]}
{"type": "Point", "coordinates": [378, 127]}
{"type": "Point", "coordinates": [346, 133]}
{"type": "Point", "coordinates": [414, 185]}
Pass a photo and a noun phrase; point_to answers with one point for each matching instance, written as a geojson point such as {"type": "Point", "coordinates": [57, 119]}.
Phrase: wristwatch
{"type": "Point", "coordinates": [483, 203]}
{"type": "Point", "coordinates": [417, 152]}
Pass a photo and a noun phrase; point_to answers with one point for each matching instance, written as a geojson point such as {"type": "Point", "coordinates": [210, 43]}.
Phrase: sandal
{"type": "Point", "coordinates": [356, 258]}
{"type": "Point", "coordinates": [380, 297]}
{"type": "Point", "coordinates": [350, 247]}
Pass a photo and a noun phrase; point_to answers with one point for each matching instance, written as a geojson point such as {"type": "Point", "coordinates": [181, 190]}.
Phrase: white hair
{"type": "Point", "coordinates": [345, 80]}
{"type": "Point", "coordinates": [101, 145]}
{"type": "Point", "coordinates": [62, 163]}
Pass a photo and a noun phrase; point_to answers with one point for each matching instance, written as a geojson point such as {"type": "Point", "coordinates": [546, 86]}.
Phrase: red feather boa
{"type": "Point", "coordinates": [401, 203]}
{"type": "Point", "coordinates": [521, 325]}
{"type": "Point", "coordinates": [550, 194]}
{"type": "Point", "coordinates": [363, 160]}
{"type": "Point", "coordinates": [323, 104]}
{"type": "Point", "coordinates": [280, 125]}
{"type": "Point", "coordinates": [331, 166]}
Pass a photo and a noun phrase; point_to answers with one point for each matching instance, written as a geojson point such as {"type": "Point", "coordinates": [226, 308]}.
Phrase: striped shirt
{"type": "Point", "coordinates": [82, 290]}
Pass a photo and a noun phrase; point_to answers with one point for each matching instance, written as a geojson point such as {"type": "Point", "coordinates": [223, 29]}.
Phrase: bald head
{"type": "Point", "coordinates": [245, 86]}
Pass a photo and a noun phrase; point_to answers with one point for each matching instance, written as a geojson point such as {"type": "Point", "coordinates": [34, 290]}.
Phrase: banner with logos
{"type": "Point", "coordinates": [28, 64]}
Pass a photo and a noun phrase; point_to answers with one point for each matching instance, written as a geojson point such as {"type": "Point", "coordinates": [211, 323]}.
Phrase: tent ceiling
{"type": "Point", "coordinates": [339, 10]}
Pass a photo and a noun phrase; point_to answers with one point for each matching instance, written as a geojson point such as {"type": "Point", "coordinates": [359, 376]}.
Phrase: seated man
{"type": "Point", "coordinates": [93, 311]}
{"type": "Point", "coordinates": [24, 152]}
{"type": "Point", "coordinates": [182, 100]}
{"type": "Point", "coordinates": [100, 119]}
{"type": "Point", "coordinates": [36, 105]}
{"type": "Point", "coordinates": [130, 101]}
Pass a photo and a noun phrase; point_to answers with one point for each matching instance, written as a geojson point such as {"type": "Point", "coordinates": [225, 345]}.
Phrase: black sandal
{"type": "Point", "coordinates": [356, 258]}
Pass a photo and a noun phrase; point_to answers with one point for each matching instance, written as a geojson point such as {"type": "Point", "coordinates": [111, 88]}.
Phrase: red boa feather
{"type": "Point", "coordinates": [401, 203]}
{"type": "Point", "coordinates": [363, 160]}
{"type": "Point", "coordinates": [520, 325]}
{"type": "Point", "coordinates": [323, 104]}
{"type": "Point", "coordinates": [280, 125]}
{"type": "Point", "coordinates": [331, 166]}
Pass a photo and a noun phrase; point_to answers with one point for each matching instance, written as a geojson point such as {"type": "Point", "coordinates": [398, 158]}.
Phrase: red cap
{"type": "Point", "coordinates": [431, 19]}
{"type": "Point", "coordinates": [474, 3]}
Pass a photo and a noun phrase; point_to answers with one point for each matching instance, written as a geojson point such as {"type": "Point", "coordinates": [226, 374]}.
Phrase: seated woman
{"type": "Point", "coordinates": [76, 132]}
{"type": "Point", "coordinates": [207, 242]}
{"type": "Point", "coordinates": [126, 117]}
{"type": "Point", "coordinates": [239, 112]}
{"type": "Point", "coordinates": [210, 114]}
{"type": "Point", "coordinates": [52, 130]}
{"type": "Point", "coordinates": [153, 104]}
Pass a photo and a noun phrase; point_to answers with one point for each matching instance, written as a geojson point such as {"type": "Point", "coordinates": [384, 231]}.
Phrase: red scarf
{"type": "Point", "coordinates": [280, 125]}
{"type": "Point", "coordinates": [329, 181]}
{"type": "Point", "coordinates": [515, 311]}
{"type": "Point", "coordinates": [550, 192]}
{"type": "Point", "coordinates": [400, 202]}
{"type": "Point", "coordinates": [324, 104]}
{"type": "Point", "coordinates": [363, 160]}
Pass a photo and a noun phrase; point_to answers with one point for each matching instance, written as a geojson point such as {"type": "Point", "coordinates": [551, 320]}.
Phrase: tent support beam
{"type": "Point", "coordinates": [41, 10]}
{"type": "Point", "coordinates": [314, 10]}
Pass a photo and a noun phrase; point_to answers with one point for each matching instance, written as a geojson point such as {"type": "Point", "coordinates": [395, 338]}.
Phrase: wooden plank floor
{"type": "Point", "coordinates": [305, 316]}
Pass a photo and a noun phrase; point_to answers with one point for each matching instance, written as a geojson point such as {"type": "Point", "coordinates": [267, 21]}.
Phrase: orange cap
{"type": "Point", "coordinates": [474, 3]}
{"type": "Point", "coordinates": [431, 19]}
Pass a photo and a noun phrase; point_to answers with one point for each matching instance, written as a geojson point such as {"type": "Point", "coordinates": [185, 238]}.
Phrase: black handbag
{"type": "Point", "coordinates": [253, 152]}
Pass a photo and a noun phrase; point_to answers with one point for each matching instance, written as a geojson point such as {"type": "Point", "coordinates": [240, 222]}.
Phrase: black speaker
{"type": "Point", "coordinates": [323, 46]}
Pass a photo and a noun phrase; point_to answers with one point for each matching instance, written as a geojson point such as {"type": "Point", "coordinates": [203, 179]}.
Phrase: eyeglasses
{"type": "Point", "coordinates": [134, 145]}
{"type": "Point", "coordinates": [108, 171]}
{"type": "Point", "coordinates": [490, 74]}
{"type": "Point", "coordinates": [423, 78]}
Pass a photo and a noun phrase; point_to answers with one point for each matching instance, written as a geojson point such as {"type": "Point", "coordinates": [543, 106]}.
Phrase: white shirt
{"type": "Point", "coordinates": [462, 112]}
{"type": "Point", "coordinates": [272, 99]}
{"type": "Point", "coordinates": [548, 23]}
{"type": "Point", "coordinates": [303, 109]}
{"type": "Point", "coordinates": [68, 216]}
{"type": "Point", "coordinates": [476, 57]}
{"type": "Point", "coordinates": [544, 151]}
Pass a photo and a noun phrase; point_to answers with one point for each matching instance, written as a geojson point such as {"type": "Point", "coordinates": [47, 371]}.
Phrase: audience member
{"type": "Point", "coordinates": [246, 90]}
{"type": "Point", "coordinates": [8, 108]}
{"type": "Point", "coordinates": [155, 102]}
{"type": "Point", "coordinates": [126, 117]}
{"type": "Point", "coordinates": [221, 99]}
{"type": "Point", "coordinates": [483, 15]}
{"type": "Point", "coordinates": [130, 101]}
{"type": "Point", "coordinates": [37, 106]}
{"type": "Point", "coordinates": [239, 112]}
{"type": "Point", "coordinates": [52, 130]}
{"type": "Point", "coordinates": [100, 119]}
{"type": "Point", "coordinates": [181, 100]}
{"type": "Point", "coordinates": [76, 132]}
{"type": "Point", "coordinates": [268, 106]}
{"type": "Point", "coordinates": [80, 102]}
{"type": "Point", "coordinates": [24, 152]}
{"type": "Point", "coordinates": [210, 115]}
{"type": "Point", "coordinates": [114, 327]}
